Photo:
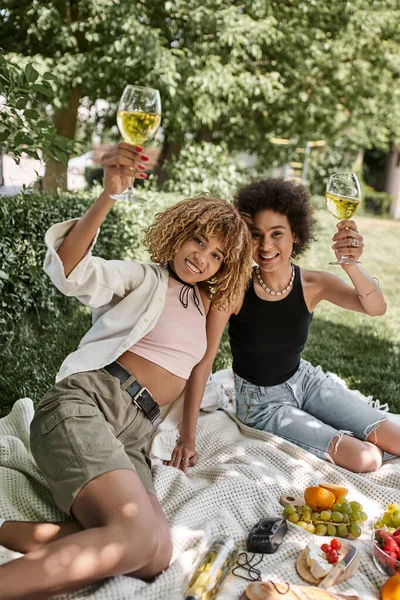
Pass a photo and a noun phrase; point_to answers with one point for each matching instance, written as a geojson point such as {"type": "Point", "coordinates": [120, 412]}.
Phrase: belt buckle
{"type": "Point", "coordinates": [138, 394]}
{"type": "Point", "coordinates": [156, 420]}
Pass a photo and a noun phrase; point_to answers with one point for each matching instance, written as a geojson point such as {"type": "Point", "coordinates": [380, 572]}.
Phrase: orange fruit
{"type": "Point", "coordinates": [319, 498]}
{"type": "Point", "coordinates": [391, 588]}
{"type": "Point", "coordinates": [337, 490]}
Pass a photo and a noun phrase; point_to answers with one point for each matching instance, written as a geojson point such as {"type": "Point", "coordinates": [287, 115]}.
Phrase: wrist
{"type": "Point", "coordinates": [190, 440]}
{"type": "Point", "coordinates": [105, 198]}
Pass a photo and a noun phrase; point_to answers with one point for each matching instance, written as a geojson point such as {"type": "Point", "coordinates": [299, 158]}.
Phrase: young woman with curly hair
{"type": "Point", "coordinates": [89, 430]}
{"type": "Point", "coordinates": [276, 390]}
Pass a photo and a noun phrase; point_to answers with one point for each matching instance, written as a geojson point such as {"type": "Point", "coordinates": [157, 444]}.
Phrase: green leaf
{"type": "Point", "coordinates": [62, 156]}
{"type": "Point", "coordinates": [30, 113]}
{"type": "Point", "coordinates": [3, 275]}
{"type": "Point", "coordinates": [30, 73]}
{"type": "Point", "coordinates": [48, 75]}
{"type": "Point", "coordinates": [22, 138]}
{"type": "Point", "coordinates": [43, 89]}
{"type": "Point", "coordinates": [21, 103]}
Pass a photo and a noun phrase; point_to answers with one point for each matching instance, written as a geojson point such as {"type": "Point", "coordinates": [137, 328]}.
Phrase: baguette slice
{"type": "Point", "coordinates": [283, 591]}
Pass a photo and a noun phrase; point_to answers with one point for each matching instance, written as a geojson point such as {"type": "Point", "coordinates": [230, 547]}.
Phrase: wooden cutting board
{"type": "Point", "coordinates": [304, 571]}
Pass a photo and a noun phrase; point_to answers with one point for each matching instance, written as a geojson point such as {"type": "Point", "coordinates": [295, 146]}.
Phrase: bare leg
{"type": "Point", "coordinates": [387, 437]}
{"type": "Point", "coordinates": [24, 536]}
{"type": "Point", "coordinates": [123, 534]}
{"type": "Point", "coordinates": [354, 455]}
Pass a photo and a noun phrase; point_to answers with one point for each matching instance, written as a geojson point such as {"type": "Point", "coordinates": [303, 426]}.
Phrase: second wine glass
{"type": "Point", "coordinates": [343, 197]}
{"type": "Point", "coordinates": [138, 118]}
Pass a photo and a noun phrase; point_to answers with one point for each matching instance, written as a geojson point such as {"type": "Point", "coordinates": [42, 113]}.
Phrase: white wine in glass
{"type": "Point", "coordinates": [138, 118]}
{"type": "Point", "coordinates": [343, 197]}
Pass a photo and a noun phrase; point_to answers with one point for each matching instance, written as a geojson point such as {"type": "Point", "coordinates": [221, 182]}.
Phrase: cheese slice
{"type": "Point", "coordinates": [316, 561]}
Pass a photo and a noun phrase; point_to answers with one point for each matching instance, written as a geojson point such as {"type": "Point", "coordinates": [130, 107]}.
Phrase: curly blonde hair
{"type": "Point", "coordinates": [206, 216]}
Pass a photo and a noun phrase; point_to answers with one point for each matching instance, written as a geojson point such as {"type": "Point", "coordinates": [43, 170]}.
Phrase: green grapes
{"type": "Point", "coordinates": [321, 529]}
{"type": "Point", "coordinates": [390, 518]}
{"type": "Point", "coordinates": [331, 530]}
{"type": "Point", "coordinates": [342, 530]}
{"type": "Point", "coordinates": [396, 518]}
{"type": "Point", "coordinates": [356, 515]}
{"type": "Point", "coordinates": [294, 518]}
{"type": "Point", "coordinates": [356, 530]}
{"type": "Point", "coordinates": [289, 510]}
{"type": "Point", "coordinates": [337, 517]}
{"type": "Point", "coordinates": [326, 515]}
{"type": "Point", "coordinates": [345, 508]}
{"type": "Point", "coordinates": [343, 520]}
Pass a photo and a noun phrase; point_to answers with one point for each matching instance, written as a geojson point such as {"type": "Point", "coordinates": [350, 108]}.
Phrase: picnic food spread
{"type": "Point", "coordinates": [326, 512]}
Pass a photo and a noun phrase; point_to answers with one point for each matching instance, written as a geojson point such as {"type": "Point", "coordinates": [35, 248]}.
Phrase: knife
{"type": "Point", "coordinates": [338, 569]}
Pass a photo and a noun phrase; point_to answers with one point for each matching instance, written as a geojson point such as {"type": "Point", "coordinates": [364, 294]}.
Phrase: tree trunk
{"type": "Point", "coordinates": [169, 151]}
{"type": "Point", "coordinates": [65, 123]}
{"type": "Point", "coordinates": [205, 134]}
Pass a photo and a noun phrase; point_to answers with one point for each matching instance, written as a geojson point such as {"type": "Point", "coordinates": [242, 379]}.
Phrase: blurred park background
{"type": "Point", "coordinates": [292, 88]}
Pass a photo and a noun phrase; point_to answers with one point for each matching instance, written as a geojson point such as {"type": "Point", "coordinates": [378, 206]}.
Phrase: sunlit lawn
{"type": "Point", "coordinates": [362, 350]}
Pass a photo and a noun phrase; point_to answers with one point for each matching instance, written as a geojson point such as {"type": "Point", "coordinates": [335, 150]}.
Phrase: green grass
{"type": "Point", "coordinates": [362, 350]}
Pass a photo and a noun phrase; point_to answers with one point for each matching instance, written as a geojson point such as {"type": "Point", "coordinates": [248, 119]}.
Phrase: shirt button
{"type": "Point", "coordinates": [146, 320]}
{"type": "Point", "coordinates": [160, 299]}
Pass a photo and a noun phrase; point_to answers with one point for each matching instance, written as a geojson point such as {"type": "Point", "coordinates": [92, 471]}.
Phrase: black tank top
{"type": "Point", "coordinates": [267, 338]}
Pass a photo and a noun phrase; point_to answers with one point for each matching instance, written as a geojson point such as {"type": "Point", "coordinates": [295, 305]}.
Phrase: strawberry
{"type": "Point", "coordinates": [397, 532]}
{"type": "Point", "coordinates": [381, 535]}
{"type": "Point", "coordinates": [390, 545]}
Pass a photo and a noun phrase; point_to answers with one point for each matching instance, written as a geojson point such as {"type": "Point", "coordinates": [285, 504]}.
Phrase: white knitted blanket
{"type": "Point", "coordinates": [239, 479]}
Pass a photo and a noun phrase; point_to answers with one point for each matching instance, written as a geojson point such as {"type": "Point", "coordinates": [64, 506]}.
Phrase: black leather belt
{"type": "Point", "coordinates": [140, 395]}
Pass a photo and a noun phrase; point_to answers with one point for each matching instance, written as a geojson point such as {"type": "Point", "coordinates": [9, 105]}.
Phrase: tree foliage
{"type": "Point", "coordinates": [238, 72]}
{"type": "Point", "coordinates": [22, 127]}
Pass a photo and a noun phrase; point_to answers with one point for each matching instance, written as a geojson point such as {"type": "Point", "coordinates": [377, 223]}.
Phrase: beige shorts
{"type": "Point", "coordinates": [87, 425]}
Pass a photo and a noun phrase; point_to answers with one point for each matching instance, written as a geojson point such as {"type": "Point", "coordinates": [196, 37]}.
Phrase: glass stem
{"type": "Point", "coordinates": [129, 187]}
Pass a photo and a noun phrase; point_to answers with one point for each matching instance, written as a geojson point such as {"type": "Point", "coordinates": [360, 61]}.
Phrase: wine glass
{"type": "Point", "coordinates": [138, 118]}
{"type": "Point", "coordinates": [343, 196]}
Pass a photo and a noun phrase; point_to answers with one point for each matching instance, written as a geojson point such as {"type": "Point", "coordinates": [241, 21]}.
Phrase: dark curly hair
{"type": "Point", "coordinates": [207, 216]}
{"type": "Point", "coordinates": [285, 197]}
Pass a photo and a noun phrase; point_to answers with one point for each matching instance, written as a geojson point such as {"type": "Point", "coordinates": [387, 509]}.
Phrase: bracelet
{"type": "Point", "coordinates": [363, 296]}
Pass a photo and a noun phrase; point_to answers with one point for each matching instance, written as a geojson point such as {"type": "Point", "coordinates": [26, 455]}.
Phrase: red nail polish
{"type": "Point", "coordinates": [142, 167]}
{"type": "Point", "coordinates": [139, 148]}
{"type": "Point", "coordinates": [144, 157]}
{"type": "Point", "coordinates": [143, 175]}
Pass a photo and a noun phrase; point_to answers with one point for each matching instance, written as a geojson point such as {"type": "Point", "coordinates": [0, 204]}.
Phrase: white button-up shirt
{"type": "Point", "coordinates": [127, 298]}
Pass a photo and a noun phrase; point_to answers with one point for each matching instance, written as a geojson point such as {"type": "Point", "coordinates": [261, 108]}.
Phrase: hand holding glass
{"type": "Point", "coordinates": [138, 118]}
{"type": "Point", "coordinates": [343, 196]}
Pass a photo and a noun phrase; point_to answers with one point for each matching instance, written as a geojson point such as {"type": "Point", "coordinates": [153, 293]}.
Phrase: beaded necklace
{"type": "Point", "coordinates": [268, 290]}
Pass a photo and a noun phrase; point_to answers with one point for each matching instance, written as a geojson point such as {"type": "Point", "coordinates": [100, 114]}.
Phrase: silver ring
{"type": "Point", "coordinates": [354, 243]}
{"type": "Point", "coordinates": [184, 458]}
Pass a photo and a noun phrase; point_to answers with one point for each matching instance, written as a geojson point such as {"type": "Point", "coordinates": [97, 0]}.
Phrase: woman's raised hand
{"type": "Point", "coordinates": [347, 241]}
{"type": "Point", "coordinates": [119, 164]}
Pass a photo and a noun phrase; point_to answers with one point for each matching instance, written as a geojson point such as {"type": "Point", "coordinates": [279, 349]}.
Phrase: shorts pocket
{"type": "Point", "coordinates": [66, 411]}
{"type": "Point", "coordinates": [135, 426]}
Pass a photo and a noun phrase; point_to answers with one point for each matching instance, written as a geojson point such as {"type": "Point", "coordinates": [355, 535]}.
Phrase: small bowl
{"type": "Point", "coordinates": [383, 562]}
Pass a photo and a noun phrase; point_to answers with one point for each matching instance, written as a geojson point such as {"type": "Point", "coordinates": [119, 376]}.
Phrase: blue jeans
{"type": "Point", "coordinates": [309, 410]}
